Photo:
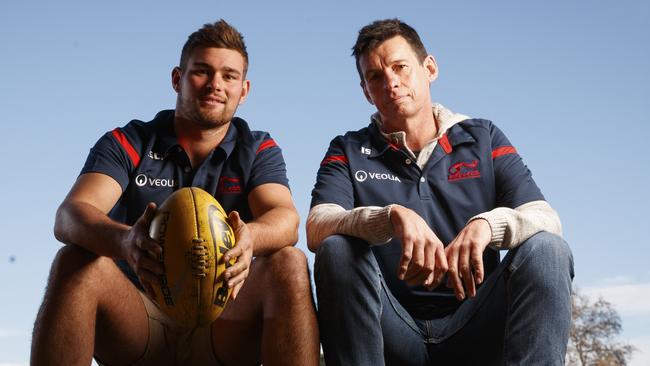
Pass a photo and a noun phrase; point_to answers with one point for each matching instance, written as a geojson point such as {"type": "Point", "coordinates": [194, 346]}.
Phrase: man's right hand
{"type": "Point", "coordinates": [423, 260]}
{"type": "Point", "coordinates": [142, 252]}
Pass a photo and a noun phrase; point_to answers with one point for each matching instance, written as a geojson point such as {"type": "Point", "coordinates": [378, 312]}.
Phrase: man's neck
{"type": "Point", "coordinates": [198, 141]}
{"type": "Point", "coordinates": [419, 129]}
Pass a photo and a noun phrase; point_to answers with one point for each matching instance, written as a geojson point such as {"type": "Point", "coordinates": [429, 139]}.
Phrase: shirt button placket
{"type": "Point", "coordinates": [423, 189]}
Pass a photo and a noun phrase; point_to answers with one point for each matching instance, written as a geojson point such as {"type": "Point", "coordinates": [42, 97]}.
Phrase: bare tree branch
{"type": "Point", "coordinates": [594, 329]}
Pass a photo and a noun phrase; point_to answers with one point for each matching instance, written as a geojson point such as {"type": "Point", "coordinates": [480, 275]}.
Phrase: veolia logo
{"type": "Point", "coordinates": [141, 180]}
{"type": "Point", "coordinates": [361, 175]}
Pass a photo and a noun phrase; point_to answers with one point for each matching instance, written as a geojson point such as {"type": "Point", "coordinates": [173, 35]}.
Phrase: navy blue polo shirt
{"type": "Point", "coordinates": [473, 169]}
{"type": "Point", "coordinates": [149, 164]}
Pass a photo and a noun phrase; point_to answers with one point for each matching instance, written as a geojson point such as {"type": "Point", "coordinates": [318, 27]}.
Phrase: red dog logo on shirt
{"type": "Point", "coordinates": [229, 185]}
{"type": "Point", "coordinates": [463, 170]}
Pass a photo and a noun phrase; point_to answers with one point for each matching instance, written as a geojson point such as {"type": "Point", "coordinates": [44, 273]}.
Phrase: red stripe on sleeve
{"type": "Point", "coordinates": [503, 150]}
{"type": "Point", "coordinates": [266, 145]}
{"type": "Point", "coordinates": [444, 142]}
{"type": "Point", "coordinates": [126, 145]}
{"type": "Point", "coordinates": [334, 158]}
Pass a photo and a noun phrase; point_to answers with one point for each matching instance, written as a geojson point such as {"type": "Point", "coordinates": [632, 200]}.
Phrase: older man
{"type": "Point", "coordinates": [423, 198]}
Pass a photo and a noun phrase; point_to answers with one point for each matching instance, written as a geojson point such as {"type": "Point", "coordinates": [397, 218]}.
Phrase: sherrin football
{"type": "Point", "coordinates": [192, 230]}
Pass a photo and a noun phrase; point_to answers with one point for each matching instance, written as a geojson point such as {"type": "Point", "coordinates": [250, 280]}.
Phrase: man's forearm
{"type": "Point", "coordinates": [511, 227]}
{"type": "Point", "coordinates": [370, 223]}
{"type": "Point", "coordinates": [275, 229]}
{"type": "Point", "coordinates": [82, 224]}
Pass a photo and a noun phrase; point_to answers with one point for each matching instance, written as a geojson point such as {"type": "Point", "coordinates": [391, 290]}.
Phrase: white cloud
{"type": "Point", "coordinates": [642, 356]}
{"type": "Point", "coordinates": [13, 364]}
{"type": "Point", "coordinates": [629, 298]}
{"type": "Point", "coordinates": [618, 280]}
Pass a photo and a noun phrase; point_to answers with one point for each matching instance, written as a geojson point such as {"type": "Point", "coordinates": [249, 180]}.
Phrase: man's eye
{"type": "Point", "coordinates": [373, 77]}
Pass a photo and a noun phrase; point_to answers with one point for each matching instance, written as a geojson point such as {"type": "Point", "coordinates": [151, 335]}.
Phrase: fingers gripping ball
{"type": "Point", "coordinates": [192, 229]}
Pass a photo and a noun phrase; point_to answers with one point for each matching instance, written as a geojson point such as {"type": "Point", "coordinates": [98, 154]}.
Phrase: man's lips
{"type": "Point", "coordinates": [213, 100]}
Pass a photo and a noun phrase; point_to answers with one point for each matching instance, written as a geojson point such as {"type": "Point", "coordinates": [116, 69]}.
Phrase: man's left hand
{"type": "Point", "coordinates": [465, 258]}
{"type": "Point", "coordinates": [243, 251]}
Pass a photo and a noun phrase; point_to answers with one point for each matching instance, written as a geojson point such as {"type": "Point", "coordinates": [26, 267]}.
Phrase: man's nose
{"type": "Point", "coordinates": [391, 80]}
{"type": "Point", "coordinates": [215, 83]}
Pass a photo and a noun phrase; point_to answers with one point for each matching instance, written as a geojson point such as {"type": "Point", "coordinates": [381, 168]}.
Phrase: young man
{"type": "Point", "coordinates": [91, 309]}
{"type": "Point", "coordinates": [407, 217]}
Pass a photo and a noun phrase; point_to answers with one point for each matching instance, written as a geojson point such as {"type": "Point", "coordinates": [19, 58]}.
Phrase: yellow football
{"type": "Point", "coordinates": [192, 229]}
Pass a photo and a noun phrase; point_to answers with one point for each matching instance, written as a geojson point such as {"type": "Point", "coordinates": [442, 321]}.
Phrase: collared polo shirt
{"type": "Point", "coordinates": [473, 169]}
{"type": "Point", "coordinates": [147, 161]}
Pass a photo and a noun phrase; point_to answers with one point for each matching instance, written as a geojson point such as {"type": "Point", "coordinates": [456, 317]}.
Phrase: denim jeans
{"type": "Point", "coordinates": [521, 314]}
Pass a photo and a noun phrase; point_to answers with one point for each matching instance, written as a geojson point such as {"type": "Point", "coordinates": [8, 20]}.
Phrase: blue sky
{"type": "Point", "coordinates": [568, 82]}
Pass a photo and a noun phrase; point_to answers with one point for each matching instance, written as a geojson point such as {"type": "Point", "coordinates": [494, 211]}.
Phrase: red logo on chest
{"type": "Point", "coordinates": [228, 185]}
{"type": "Point", "coordinates": [463, 170]}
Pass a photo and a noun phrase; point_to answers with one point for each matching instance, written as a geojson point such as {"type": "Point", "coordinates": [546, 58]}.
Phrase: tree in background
{"type": "Point", "coordinates": [593, 331]}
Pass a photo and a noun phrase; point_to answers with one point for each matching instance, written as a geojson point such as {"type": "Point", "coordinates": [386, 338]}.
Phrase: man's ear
{"type": "Point", "coordinates": [431, 67]}
{"type": "Point", "coordinates": [365, 92]}
{"type": "Point", "coordinates": [176, 78]}
{"type": "Point", "coordinates": [246, 87]}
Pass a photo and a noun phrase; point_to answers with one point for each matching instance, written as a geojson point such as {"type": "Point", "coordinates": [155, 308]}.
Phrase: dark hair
{"type": "Point", "coordinates": [375, 33]}
{"type": "Point", "coordinates": [218, 35]}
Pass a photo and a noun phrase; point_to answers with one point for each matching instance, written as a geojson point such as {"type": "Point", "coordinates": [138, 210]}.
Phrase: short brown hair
{"type": "Point", "coordinates": [375, 33]}
{"type": "Point", "coordinates": [218, 35]}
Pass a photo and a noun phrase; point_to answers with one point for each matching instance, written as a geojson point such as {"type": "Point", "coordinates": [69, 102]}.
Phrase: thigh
{"type": "Point", "coordinates": [237, 333]}
{"type": "Point", "coordinates": [122, 325]}
{"type": "Point", "coordinates": [273, 314]}
{"type": "Point", "coordinates": [474, 333]}
{"type": "Point", "coordinates": [404, 340]}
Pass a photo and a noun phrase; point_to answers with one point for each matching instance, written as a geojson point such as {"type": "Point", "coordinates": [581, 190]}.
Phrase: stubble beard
{"type": "Point", "coordinates": [192, 110]}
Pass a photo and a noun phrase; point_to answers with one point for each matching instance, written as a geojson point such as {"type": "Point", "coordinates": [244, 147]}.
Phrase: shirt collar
{"type": "Point", "coordinates": [229, 140]}
{"type": "Point", "coordinates": [444, 118]}
{"type": "Point", "coordinates": [166, 138]}
{"type": "Point", "coordinates": [168, 143]}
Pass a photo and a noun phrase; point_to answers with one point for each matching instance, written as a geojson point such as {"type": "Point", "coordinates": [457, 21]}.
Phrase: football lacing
{"type": "Point", "coordinates": [199, 257]}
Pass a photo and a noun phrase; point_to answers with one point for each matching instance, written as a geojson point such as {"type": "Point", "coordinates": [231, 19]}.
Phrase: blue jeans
{"type": "Point", "coordinates": [521, 314]}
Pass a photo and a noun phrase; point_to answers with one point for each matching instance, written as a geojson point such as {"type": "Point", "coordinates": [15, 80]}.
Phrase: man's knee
{"type": "Point", "coordinates": [74, 265]}
{"type": "Point", "coordinates": [342, 260]}
{"type": "Point", "coordinates": [549, 256]}
{"type": "Point", "coordinates": [547, 247]}
{"type": "Point", "coordinates": [287, 271]}
{"type": "Point", "coordinates": [337, 250]}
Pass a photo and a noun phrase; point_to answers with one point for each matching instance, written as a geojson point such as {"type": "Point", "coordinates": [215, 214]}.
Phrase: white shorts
{"type": "Point", "coordinates": [170, 345]}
